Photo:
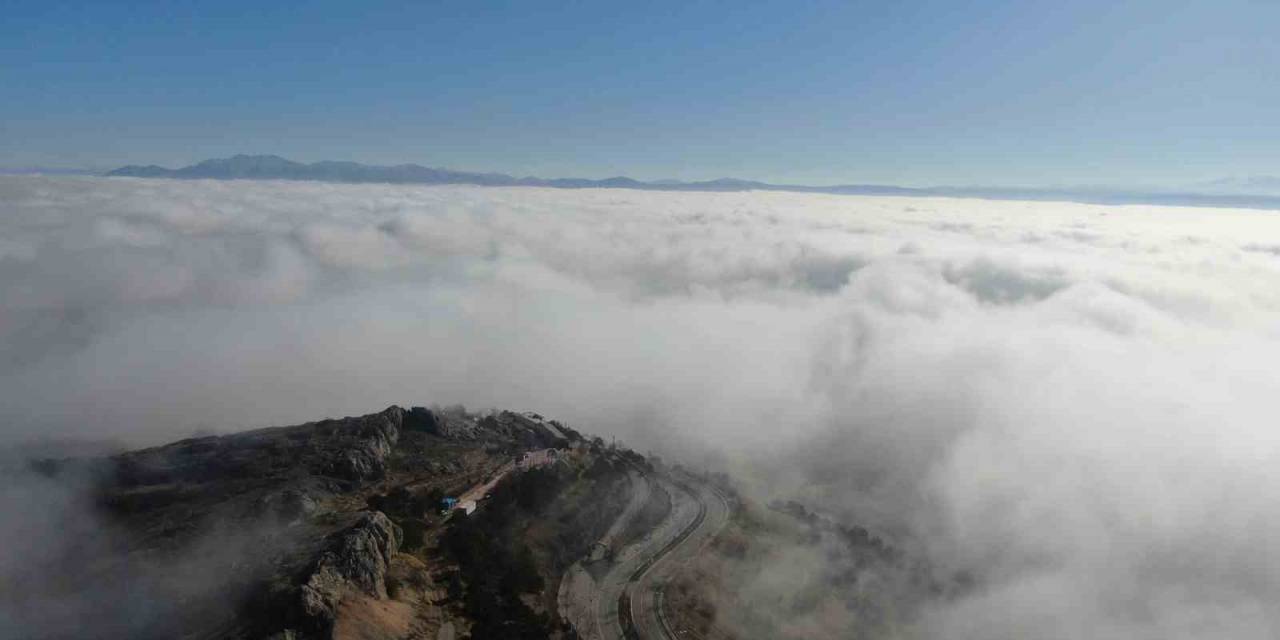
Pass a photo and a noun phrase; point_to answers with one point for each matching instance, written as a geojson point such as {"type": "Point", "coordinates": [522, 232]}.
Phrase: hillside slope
{"type": "Point", "coordinates": [331, 529]}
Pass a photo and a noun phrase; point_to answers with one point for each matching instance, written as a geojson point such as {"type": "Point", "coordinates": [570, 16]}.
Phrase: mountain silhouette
{"type": "Point", "coordinates": [272, 167]}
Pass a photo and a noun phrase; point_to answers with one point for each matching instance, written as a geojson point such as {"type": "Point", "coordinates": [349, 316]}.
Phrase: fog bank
{"type": "Point", "coordinates": [1072, 402]}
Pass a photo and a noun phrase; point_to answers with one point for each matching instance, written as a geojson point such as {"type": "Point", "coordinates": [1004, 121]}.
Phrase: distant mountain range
{"type": "Point", "coordinates": [244, 167]}
{"type": "Point", "coordinates": [1246, 184]}
{"type": "Point", "coordinates": [270, 167]}
{"type": "Point", "coordinates": [46, 171]}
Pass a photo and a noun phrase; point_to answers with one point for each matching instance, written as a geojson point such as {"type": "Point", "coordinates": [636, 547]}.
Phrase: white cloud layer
{"type": "Point", "coordinates": [1073, 402]}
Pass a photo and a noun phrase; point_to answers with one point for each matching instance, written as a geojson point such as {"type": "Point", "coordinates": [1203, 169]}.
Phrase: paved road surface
{"type": "Point", "coordinates": [646, 593]}
{"type": "Point", "coordinates": [471, 498]}
{"type": "Point", "coordinates": [697, 513]}
{"type": "Point", "coordinates": [580, 594]}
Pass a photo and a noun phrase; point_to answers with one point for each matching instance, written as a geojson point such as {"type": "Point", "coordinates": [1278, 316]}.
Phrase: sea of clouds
{"type": "Point", "coordinates": [1073, 403]}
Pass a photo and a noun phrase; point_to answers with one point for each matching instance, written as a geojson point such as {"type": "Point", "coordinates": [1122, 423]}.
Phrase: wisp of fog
{"type": "Point", "coordinates": [1072, 403]}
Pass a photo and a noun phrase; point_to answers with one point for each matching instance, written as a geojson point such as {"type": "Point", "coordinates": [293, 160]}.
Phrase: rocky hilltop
{"type": "Point", "coordinates": [430, 524]}
{"type": "Point", "coordinates": [331, 529]}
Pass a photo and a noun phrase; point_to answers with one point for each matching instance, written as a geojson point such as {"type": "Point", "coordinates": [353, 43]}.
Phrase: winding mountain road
{"type": "Point", "coordinates": [622, 603]}
{"type": "Point", "coordinates": [646, 593]}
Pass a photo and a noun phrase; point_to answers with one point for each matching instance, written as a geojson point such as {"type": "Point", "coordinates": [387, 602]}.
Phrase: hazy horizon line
{"type": "Point", "coordinates": [1083, 193]}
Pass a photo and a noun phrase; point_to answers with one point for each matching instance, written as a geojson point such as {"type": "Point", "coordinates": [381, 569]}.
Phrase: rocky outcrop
{"type": "Point", "coordinates": [355, 560]}
{"type": "Point", "coordinates": [422, 419]}
{"type": "Point", "coordinates": [530, 429]}
{"type": "Point", "coordinates": [353, 449]}
{"type": "Point", "coordinates": [368, 441]}
{"type": "Point", "coordinates": [283, 530]}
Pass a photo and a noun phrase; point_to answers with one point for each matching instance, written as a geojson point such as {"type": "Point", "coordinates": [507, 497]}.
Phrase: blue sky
{"type": "Point", "coordinates": [913, 93]}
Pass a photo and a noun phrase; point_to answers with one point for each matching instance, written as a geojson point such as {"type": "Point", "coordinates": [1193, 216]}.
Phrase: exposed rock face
{"type": "Point", "coordinates": [530, 429]}
{"type": "Point", "coordinates": [279, 491]}
{"type": "Point", "coordinates": [283, 532]}
{"type": "Point", "coordinates": [422, 419]}
{"type": "Point", "coordinates": [357, 560]}
{"type": "Point", "coordinates": [352, 449]}
{"type": "Point", "coordinates": [368, 440]}
{"type": "Point", "coordinates": [456, 425]}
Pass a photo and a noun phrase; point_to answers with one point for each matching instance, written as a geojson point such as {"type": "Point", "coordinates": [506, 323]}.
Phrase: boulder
{"type": "Point", "coordinates": [355, 560]}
